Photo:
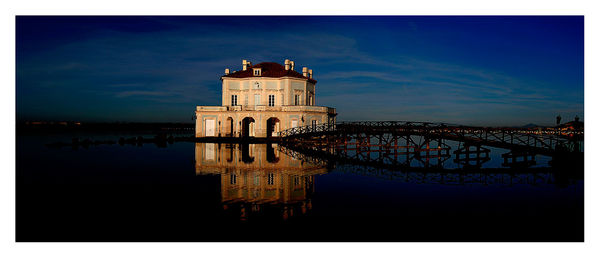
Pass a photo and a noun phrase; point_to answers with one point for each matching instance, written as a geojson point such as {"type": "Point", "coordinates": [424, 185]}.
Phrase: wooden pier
{"type": "Point", "coordinates": [396, 142]}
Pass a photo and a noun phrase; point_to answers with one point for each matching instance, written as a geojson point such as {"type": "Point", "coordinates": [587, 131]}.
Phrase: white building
{"type": "Point", "coordinates": [261, 100]}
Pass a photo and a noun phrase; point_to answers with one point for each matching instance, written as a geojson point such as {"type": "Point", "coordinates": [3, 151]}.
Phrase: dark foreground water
{"type": "Point", "coordinates": [217, 192]}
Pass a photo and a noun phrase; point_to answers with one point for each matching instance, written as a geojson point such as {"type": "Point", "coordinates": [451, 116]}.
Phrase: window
{"type": "Point", "coordinates": [256, 99]}
{"type": "Point", "coordinates": [314, 123]}
{"type": "Point", "coordinates": [256, 180]}
{"type": "Point", "coordinates": [246, 100]}
{"type": "Point", "coordinates": [270, 179]}
{"type": "Point", "coordinates": [296, 100]}
{"type": "Point", "coordinates": [271, 100]}
{"type": "Point", "coordinates": [234, 100]}
{"type": "Point", "coordinates": [256, 71]}
{"type": "Point", "coordinates": [233, 179]}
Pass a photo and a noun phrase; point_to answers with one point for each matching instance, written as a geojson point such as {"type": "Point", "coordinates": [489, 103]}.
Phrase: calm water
{"type": "Point", "coordinates": [219, 192]}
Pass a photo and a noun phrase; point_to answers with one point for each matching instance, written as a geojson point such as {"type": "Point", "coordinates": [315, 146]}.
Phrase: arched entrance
{"type": "Point", "coordinates": [229, 127]}
{"type": "Point", "coordinates": [273, 127]}
{"type": "Point", "coordinates": [248, 127]}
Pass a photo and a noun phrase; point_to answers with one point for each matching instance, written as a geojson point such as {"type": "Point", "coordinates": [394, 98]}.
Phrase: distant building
{"type": "Point", "coordinates": [571, 128]}
{"type": "Point", "coordinates": [261, 100]}
{"type": "Point", "coordinates": [575, 125]}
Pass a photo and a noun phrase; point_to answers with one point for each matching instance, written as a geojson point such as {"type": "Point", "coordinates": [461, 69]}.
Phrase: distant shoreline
{"type": "Point", "coordinates": [81, 126]}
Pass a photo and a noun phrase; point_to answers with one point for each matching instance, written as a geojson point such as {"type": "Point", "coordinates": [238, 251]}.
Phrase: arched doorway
{"type": "Point", "coordinates": [229, 127]}
{"type": "Point", "coordinates": [248, 127]}
{"type": "Point", "coordinates": [273, 127]}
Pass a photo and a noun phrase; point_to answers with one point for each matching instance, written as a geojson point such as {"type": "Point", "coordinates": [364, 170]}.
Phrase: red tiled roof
{"type": "Point", "coordinates": [268, 69]}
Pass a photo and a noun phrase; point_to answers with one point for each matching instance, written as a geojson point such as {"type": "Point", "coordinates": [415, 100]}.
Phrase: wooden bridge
{"type": "Point", "coordinates": [387, 142]}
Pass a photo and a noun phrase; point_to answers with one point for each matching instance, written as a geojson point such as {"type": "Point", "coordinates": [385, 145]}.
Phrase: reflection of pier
{"type": "Point", "coordinates": [466, 175]}
{"type": "Point", "coordinates": [258, 178]}
{"type": "Point", "coordinates": [517, 158]}
{"type": "Point", "coordinates": [472, 156]}
{"type": "Point", "coordinates": [497, 177]}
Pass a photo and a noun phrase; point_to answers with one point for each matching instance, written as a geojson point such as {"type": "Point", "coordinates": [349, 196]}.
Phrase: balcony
{"type": "Point", "coordinates": [211, 108]}
{"type": "Point", "coordinates": [267, 108]}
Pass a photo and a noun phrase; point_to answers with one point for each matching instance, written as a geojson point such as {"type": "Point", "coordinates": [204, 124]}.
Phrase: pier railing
{"type": "Point", "coordinates": [308, 129]}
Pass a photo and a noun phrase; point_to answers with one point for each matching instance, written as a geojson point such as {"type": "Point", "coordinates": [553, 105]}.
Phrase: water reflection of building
{"type": "Point", "coordinates": [258, 177]}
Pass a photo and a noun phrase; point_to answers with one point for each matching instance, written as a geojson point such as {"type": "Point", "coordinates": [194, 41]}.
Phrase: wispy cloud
{"type": "Point", "coordinates": [142, 93]}
{"type": "Point", "coordinates": [180, 65]}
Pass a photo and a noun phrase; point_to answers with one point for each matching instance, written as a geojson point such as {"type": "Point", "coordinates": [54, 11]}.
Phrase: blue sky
{"type": "Point", "coordinates": [466, 70]}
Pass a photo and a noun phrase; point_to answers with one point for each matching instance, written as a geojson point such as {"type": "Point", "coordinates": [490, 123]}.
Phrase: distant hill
{"type": "Point", "coordinates": [572, 123]}
{"type": "Point", "coordinates": [79, 126]}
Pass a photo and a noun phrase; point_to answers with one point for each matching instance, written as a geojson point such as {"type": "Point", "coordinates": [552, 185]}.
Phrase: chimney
{"type": "Point", "coordinates": [244, 65]}
{"type": "Point", "coordinates": [305, 71]}
{"type": "Point", "coordinates": [310, 73]}
{"type": "Point", "coordinates": [292, 64]}
{"type": "Point", "coordinates": [287, 64]}
{"type": "Point", "coordinates": [226, 71]}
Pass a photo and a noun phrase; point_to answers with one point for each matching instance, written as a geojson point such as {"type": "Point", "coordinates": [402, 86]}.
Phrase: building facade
{"type": "Point", "coordinates": [261, 100]}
